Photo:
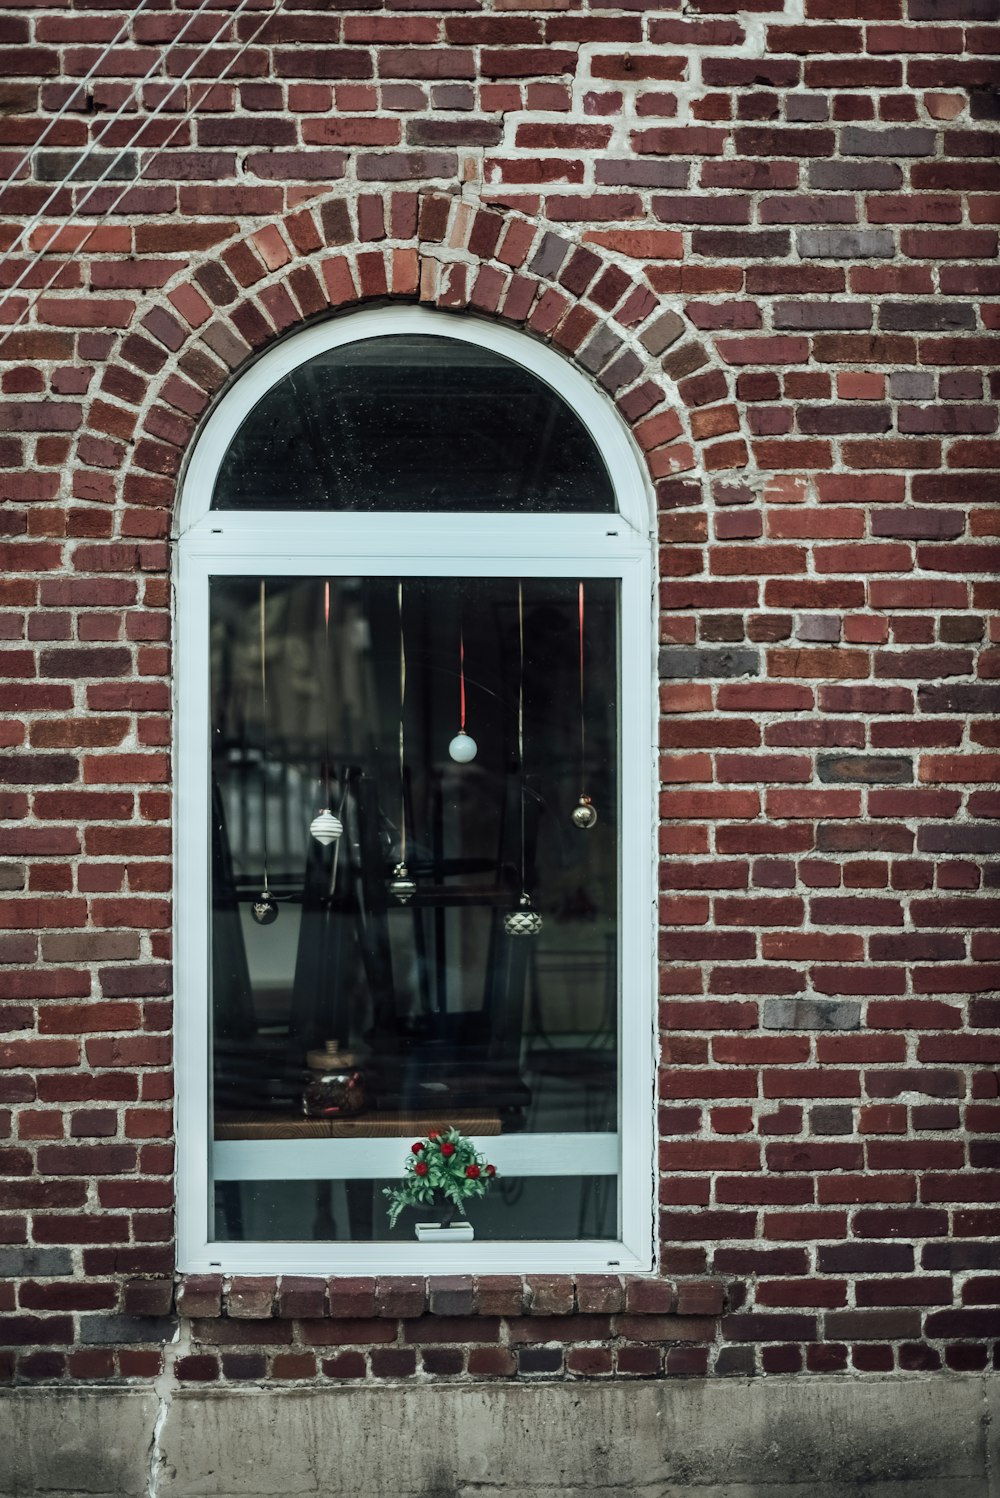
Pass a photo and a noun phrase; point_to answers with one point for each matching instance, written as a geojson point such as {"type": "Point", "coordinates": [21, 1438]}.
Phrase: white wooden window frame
{"type": "Point", "coordinates": [289, 543]}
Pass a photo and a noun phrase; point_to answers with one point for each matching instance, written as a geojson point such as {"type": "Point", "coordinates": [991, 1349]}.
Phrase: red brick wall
{"type": "Point", "coordinates": [771, 240]}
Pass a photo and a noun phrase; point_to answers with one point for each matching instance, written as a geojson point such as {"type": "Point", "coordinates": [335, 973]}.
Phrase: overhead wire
{"type": "Point", "coordinates": [53, 122]}
{"type": "Point", "coordinates": [214, 83]}
{"type": "Point", "coordinates": [98, 140]}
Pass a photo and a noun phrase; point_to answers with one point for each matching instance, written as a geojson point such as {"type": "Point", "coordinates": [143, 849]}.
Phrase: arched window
{"type": "Point", "coordinates": [414, 806]}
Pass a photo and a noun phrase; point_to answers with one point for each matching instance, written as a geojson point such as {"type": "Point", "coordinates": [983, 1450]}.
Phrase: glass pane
{"type": "Point", "coordinates": [370, 1007]}
{"type": "Point", "coordinates": [413, 423]}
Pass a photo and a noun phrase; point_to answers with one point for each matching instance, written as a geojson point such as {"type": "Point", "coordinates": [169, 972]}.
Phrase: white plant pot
{"type": "Point", "coordinates": [433, 1232]}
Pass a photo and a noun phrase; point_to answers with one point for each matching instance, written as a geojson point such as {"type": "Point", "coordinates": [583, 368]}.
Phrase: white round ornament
{"type": "Point", "coordinates": [463, 747]}
{"type": "Point", "coordinates": [325, 827]}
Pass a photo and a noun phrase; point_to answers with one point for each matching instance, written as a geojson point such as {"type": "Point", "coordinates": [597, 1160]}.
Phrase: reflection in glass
{"type": "Point", "coordinates": [415, 423]}
{"type": "Point", "coordinates": [412, 1016]}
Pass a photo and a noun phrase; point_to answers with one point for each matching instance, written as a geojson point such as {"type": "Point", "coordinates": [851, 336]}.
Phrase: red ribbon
{"type": "Point", "coordinates": [461, 677]}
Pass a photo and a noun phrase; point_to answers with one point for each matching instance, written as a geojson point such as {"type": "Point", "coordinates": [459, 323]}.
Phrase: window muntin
{"type": "Point", "coordinates": [216, 544]}
{"type": "Point", "coordinates": [413, 423]}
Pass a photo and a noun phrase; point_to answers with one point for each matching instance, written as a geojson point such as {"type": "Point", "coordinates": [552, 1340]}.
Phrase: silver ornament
{"type": "Point", "coordinates": [264, 910]}
{"type": "Point", "coordinates": [401, 886]}
{"type": "Point", "coordinates": [325, 827]}
{"type": "Point", "coordinates": [463, 747]}
{"type": "Point", "coordinates": [584, 813]}
{"type": "Point", "coordinates": [524, 921]}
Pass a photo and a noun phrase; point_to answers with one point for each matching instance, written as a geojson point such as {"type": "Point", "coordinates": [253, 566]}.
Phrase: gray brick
{"type": "Point", "coordinates": [907, 523]}
{"type": "Point", "coordinates": [452, 1295]}
{"type": "Point", "coordinates": [927, 316]}
{"type": "Point", "coordinates": [911, 385]}
{"type": "Point", "coordinates": [746, 244]}
{"type": "Point", "coordinates": [846, 244]}
{"type": "Point", "coordinates": [855, 176]}
{"type": "Point", "coordinates": [626, 368]}
{"type": "Point", "coordinates": [819, 627]}
{"type": "Point", "coordinates": [662, 333]}
{"type": "Point", "coordinates": [952, 10]}
{"type": "Point", "coordinates": [54, 166]}
{"type": "Point", "coordinates": [616, 173]}
{"type": "Point", "coordinates": [39, 1263]}
{"type": "Point", "coordinates": [682, 661]}
{"type": "Point", "coordinates": [865, 769]}
{"type": "Point", "coordinates": [823, 314]}
{"type": "Point", "coordinates": [12, 875]}
{"type": "Point", "coordinates": [602, 347]}
{"type": "Point", "coordinates": [831, 1118]}
{"type": "Point", "coordinates": [942, 837]}
{"type": "Point", "coordinates": [906, 141]}
{"type": "Point", "coordinates": [812, 1014]}
{"type": "Point", "coordinates": [549, 256]}
{"type": "Point", "coordinates": [800, 107]}
{"type": "Point", "coordinates": [984, 104]}
{"type": "Point", "coordinates": [103, 1331]}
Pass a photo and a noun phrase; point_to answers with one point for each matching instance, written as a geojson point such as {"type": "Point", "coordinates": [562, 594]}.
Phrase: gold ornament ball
{"type": "Point", "coordinates": [584, 813]}
{"type": "Point", "coordinates": [401, 886]}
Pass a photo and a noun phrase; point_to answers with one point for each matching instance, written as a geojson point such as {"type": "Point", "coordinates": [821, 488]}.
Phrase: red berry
{"type": "Point", "coordinates": [447, 1149]}
{"type": "Point", "coordinates": [473, 1172]}
{"type": "Point", "coordinates": [416, 1148]}
{"type": "Point", "coordinates": [491, 1170]}
{"type": "Point", "coordinates": [421, 1168]}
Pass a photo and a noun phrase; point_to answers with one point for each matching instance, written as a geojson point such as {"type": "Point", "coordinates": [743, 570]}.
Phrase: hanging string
{"type": "Point", "coordinates": [461, 677]}
{"type": "Point", "coordinates": [263, 725]}
{"type": "Point", "coordinates": [402, 699]}
{"type": "Point", "coordinates": [583, 721]}
{"type": "Point", "coordinates": [326, 691]}
{"type": "Point", "coordinates": [520, 717]}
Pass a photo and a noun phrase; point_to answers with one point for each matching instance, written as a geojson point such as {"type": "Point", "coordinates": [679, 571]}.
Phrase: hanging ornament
{"type": "Point", "coordinates": [401, 886]}
{"type": "Point", "coordinates": [584, 812]}
{"type": "Point", "coordinates": [524, 921]}
{"type": "Point", "coordinates": [264, 909]}
{"type": "Point", "coordinates": [326, 828]}
{"type": "Point", "coordinates": [463, 746]}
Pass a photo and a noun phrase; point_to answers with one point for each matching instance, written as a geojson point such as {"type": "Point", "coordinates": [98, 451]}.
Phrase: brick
{"type": "Point", "coordinates": [845, 244]}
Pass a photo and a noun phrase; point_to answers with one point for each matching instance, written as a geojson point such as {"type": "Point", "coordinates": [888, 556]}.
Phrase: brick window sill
{"type": "Point", "coordinates": [399, 1297]}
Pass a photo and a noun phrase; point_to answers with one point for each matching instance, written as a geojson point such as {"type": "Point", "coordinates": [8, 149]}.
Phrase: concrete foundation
{"type": "Point", "coordinates": [776, 1438]}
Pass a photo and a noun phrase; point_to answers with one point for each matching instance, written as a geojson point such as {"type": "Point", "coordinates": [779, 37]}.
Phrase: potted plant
{"type": "Point", "coordinates": [443, 1171]}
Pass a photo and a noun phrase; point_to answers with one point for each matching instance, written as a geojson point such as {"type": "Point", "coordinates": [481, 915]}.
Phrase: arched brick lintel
{"type": "Point", "coordinates": [434, 248]}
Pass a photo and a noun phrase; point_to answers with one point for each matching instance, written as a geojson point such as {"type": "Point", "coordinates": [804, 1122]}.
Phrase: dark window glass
{"type": "Point", "coordinates": [439, 1013]}
{"type": "Point", "coordinates": [413, 423]}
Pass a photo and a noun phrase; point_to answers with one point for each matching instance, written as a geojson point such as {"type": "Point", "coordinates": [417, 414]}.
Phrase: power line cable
{"type": "Point", "coordinates": [29, 306]}
{"type": "Point", "coordinates": [99, 139]}
{"type": "Point", "coordinates": [71, 96]}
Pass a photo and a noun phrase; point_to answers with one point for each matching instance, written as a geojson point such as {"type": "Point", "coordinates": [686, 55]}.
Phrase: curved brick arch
{"type": "Point", "coordinates": [433, 248]}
